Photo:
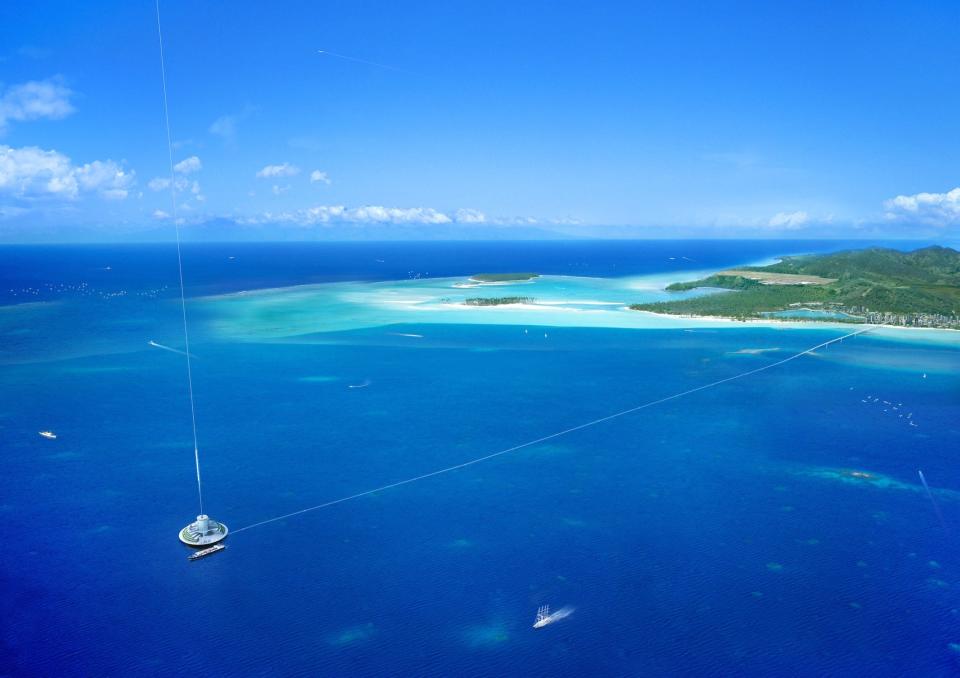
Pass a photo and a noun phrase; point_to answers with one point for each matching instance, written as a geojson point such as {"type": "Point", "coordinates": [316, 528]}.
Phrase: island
{"type": "Point", "coordinates": [503, 277]}
{"type": "Point", "coordinates": [877, 285]}
{"type": "Point", "coordinates": [498, 301]}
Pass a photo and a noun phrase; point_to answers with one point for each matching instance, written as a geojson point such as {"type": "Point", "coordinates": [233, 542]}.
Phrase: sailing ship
{"type": "Point", "coordinates": [543, 617]}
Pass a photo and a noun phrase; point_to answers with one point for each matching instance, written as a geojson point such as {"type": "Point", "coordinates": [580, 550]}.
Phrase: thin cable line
{"type": "Point", "coordinates": [543, 439]}
{"type": "Point", "coordinates": [183, 299]}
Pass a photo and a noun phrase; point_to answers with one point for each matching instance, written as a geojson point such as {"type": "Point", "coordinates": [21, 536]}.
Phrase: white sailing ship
{"type": "Point", "coordinates": [545, 616]}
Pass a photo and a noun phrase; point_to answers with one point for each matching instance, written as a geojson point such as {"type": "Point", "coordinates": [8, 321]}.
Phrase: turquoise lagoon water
{"type": "Point", "coordinates": [771, 526]}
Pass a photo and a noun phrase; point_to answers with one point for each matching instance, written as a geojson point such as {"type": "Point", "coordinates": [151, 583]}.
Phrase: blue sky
{"type": "Point", "coordinates": [659, 119]}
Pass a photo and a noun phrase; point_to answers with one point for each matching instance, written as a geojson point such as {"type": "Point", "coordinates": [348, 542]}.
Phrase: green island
{"type": "Point", "coordinates": [877, 285]}
{"type": "Point", "coordinates": [498, 301]}
{"type": "Point", "coordinates": [503, 277]}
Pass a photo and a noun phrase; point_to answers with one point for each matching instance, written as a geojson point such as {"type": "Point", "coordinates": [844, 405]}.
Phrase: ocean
{"type": "Point", "coordinates": [772, 525]}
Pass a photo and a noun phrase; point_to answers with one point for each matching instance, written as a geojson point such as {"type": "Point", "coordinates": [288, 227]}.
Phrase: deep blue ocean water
{"type": "Point", "coordinates": [719, 534]}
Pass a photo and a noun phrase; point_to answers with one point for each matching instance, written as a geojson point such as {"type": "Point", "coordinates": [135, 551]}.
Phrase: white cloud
{"type": "Point", "coordinates": [34, 100]}
{"type": "Point", "coordinates": [470, 216]}
{"type": "Point", "coordinates": [316, 176]}
{"type": "Point", "coordinates": [105, 177]}
{"type": "Point", "coordinates": [32, 172]}
{"type": "Point", "coordinates": [789, 220]}
{"type": "Point", "coordinates": [225, 126]}
{"type": "Point", "coordinates": [180, 185]}
{"type": "Point", "coordinates": [159, 184]}
{"type": "Point", "coordinates": [277, 190]}
{"type": "Point", "coordinates": [325, 213]}
{"type": "Point", "coordinates": [366, 214]}
{"type": "Point", "coordinates": [160, 214]}
{"type": "Point", "coordinates": [938, 209]}
{"type": "Point", "coordinates": [188, 166]}
{"type": "Point", "coordinates": [397, 215]}
{"type": "Point", "coordinates": [281, 170]}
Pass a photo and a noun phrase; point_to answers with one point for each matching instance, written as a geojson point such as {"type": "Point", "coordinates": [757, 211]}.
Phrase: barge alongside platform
{"type": "Point", "coordinates": [202, 553]}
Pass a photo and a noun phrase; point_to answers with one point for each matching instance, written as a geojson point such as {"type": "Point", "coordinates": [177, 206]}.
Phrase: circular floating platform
{"type": "Point", "coordinates": [203, 532]}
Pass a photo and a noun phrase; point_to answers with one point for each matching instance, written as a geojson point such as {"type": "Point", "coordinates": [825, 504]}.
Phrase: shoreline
{"type": "Point", "coordinates": [796, 324]}
{"type": "Point", "coordinates": [562, 301]}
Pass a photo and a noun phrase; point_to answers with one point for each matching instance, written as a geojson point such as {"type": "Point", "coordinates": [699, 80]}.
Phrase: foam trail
{"type": "Point", "coordinates": [562, 613]}
{"type": "Point", "coordinates": [936, 507]}
{"type": "Point", "coordinates": [551, 436]}
{"type": "Point", "coordinates": [169, 348]}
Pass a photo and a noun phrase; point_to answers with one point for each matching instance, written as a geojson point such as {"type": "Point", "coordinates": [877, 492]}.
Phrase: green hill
{"type": "Point", "coordinates": [875, 285]}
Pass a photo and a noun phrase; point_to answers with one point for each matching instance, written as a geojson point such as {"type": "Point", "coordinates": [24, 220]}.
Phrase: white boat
{"type": "Point", "coordinates": [50, 435]}
{"type": "Point", "coordinates": [545, 616]}
{"type": "Point", "coordinates": [206, 552]}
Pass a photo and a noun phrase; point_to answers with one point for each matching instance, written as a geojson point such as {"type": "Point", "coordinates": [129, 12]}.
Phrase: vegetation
{"type": "Point", "coordinates": [881, 285]}
{"type": "Point", "coordinates": [503, 277]}
{"type": "Point", "coordinates": [498, 301]}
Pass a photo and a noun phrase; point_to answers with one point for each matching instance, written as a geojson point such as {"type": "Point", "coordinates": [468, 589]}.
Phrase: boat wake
{"type": "Point", "coordinates": [168, 348]}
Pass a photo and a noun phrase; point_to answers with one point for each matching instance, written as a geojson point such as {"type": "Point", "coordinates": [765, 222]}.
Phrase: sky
{"type": "Point", "coordinates": [326, 119]}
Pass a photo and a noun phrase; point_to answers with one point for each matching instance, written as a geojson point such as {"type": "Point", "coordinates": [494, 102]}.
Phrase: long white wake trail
{"type": "Point", "coordinates": [168, 348]}
{"type": "Point", "coordinates": [557, 434]}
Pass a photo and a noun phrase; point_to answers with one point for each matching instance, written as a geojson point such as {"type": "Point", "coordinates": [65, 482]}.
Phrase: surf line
{"type": "Point", "coordinates": [551, 436]}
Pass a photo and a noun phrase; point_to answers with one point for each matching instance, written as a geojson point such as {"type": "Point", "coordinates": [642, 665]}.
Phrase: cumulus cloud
{"type": "Point", "coordinates": [105, 177]}
{"type": "Point", "coordinates": [789, 220]}
{"type": "Point", "coordinates": [937, 209]}
{"type": "Point", "coordinates": [470, 216]}
{"type": "Point", "coordinates": [316, 176]}
{"type": "Point", "coordinates": [379, 214]}
{"type": "Point", "coordinates": [32, 173]}
{"type": "Point", "coordinates": [282, 170]}
{"type": "Point", "coordinates": [181, 184]}
{"type": "Point", "coordinates": [366, 214]}
{"type": "Point", "coordinates": [38, 99]}
{"type": "Point", "coordinates": [398, 215]}
{"type": "Point", "coordinates": [188, 166]}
